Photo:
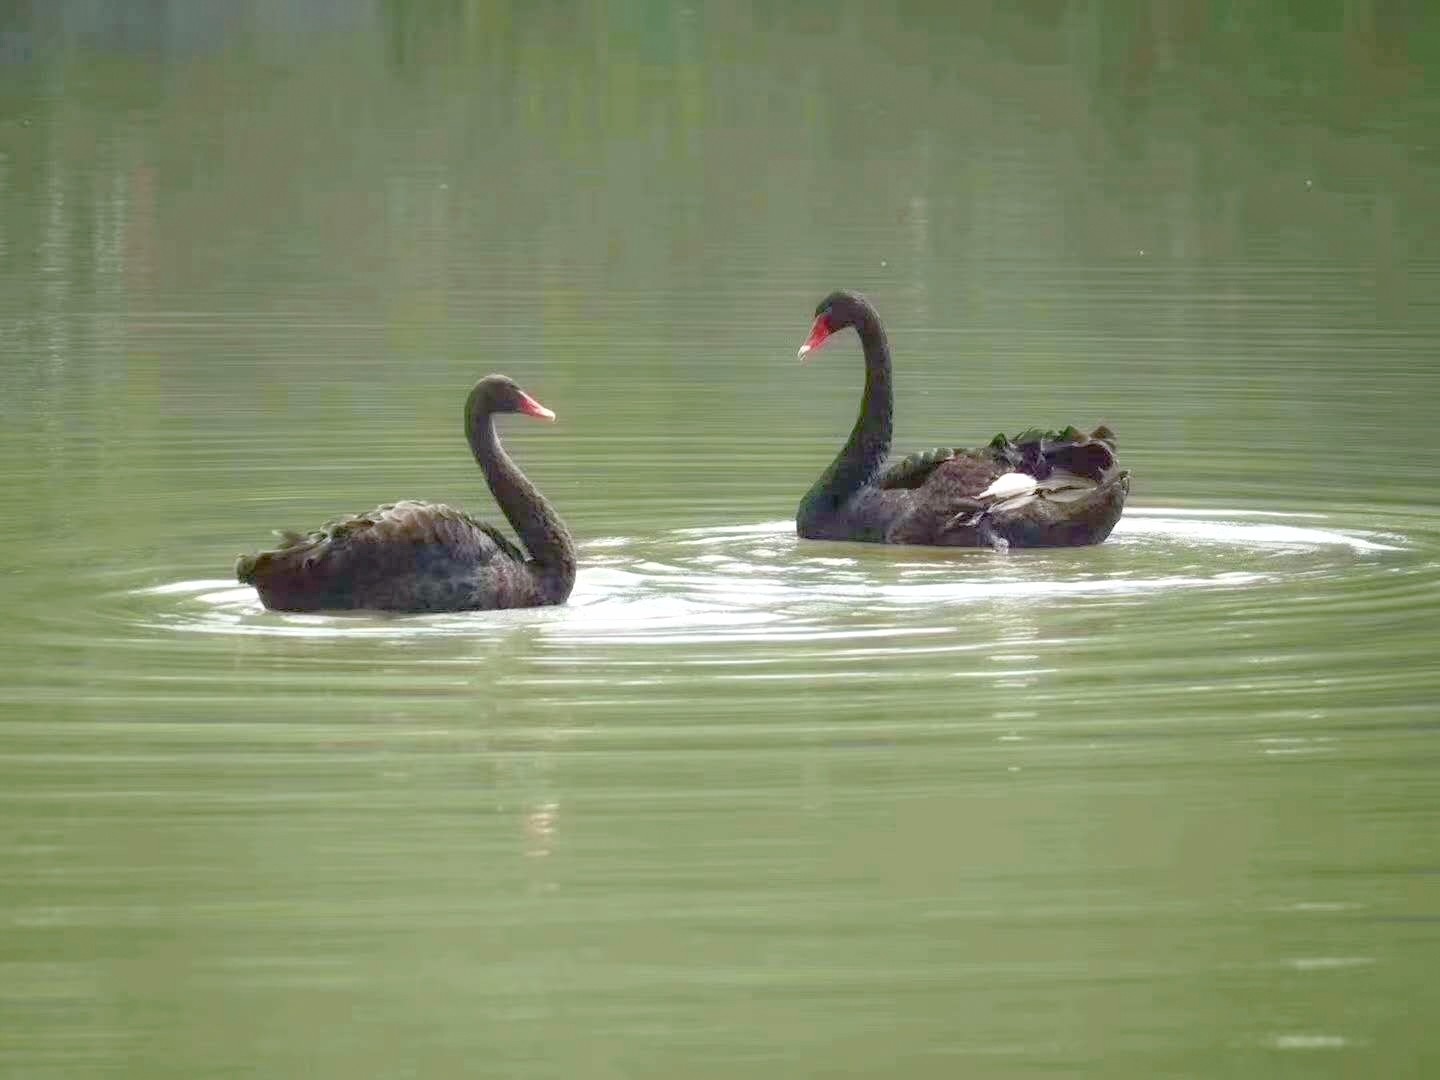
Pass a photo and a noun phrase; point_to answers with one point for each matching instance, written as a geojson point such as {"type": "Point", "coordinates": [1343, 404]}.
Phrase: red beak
{"type": "Point", "coordinates": [530, 407]}
{"type": "Point", "coordinates": [819, 334]}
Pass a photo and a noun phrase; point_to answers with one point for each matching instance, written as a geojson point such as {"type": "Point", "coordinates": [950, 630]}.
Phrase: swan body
{"type": "Point", "coordinates": [416, 556]}
{"type": "Point", "coordinates": [1037, 489]}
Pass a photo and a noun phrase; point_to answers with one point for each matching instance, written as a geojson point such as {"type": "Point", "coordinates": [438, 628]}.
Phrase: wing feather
{"type": "Point", "coordinates": [361, 551]}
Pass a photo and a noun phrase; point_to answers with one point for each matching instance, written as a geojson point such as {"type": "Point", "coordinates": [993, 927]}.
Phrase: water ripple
{"type": "Point", "coordinates": [757, 582]}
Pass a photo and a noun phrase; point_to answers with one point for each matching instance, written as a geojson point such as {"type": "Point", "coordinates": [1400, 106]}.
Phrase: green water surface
{"type": "Point", "coordinates": [746, 806]}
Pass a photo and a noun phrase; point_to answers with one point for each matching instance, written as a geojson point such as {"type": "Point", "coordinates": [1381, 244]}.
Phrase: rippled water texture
{"type": "Point", "coordinates": [746, 805]}
{"type": "Point", "coordinates": [758, 583]}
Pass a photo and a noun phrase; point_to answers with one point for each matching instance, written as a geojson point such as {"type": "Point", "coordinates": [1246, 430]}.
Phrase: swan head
{"type": "Point", "coordinates": [837, 311]}
{"type": "Point", "coordinates": [500, 393]}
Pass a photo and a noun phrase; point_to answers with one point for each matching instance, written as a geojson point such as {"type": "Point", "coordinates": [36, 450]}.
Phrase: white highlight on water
{"type": "Point", "coordinates": [758, 582]}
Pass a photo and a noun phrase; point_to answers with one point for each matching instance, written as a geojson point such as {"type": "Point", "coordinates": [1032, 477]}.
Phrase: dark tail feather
{"type": "Point", "coordinates": [287, 580]}
{"type": "Point", "coordinates": [1038, 452]}
{"type": "Point", "coordinates": [1088, 459]}
{"type": "Point", "coordinates": [245, 569]}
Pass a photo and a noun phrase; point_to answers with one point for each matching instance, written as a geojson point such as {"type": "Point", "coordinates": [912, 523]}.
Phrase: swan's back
{"type": "Point", "coordinates": [407, 556]}
{"type": "Point", "coordinates": [1072, 492]}
{"type": "Point", "coordinates": [943, 496]}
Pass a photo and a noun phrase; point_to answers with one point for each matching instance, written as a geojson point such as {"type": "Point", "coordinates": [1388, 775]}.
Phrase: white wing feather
{"type": "Point", "coordinates": [1009, 486]}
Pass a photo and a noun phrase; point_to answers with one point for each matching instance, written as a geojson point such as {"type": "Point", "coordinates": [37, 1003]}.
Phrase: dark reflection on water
{"type": "Point", "coordinates": [1164, 806]}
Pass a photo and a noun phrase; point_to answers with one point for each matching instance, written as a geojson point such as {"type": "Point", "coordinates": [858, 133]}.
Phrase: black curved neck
{"type": "Point", "coordinates": [864, 452]}
{"type": "Point", "coordinates": [552, 551]}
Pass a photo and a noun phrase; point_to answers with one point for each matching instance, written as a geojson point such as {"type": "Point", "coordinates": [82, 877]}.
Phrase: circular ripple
{"type": "Point", "coordinates": [757, 582]}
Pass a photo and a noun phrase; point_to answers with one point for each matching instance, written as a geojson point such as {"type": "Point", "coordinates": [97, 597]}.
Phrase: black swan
{"type": "Point", "coordinates": [414, 556]}
{"type": "Point", "coordinates": [1039, 489]}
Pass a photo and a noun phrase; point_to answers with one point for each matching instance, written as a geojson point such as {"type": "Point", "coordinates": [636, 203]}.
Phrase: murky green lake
{"type": "Point", "coordinates": [746, 806]}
